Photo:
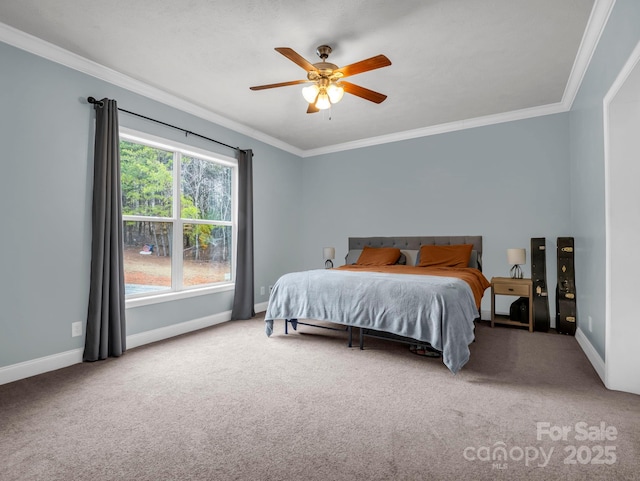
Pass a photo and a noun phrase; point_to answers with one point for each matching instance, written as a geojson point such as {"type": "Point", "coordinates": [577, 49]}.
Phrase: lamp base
{"type": "Point", "coordinates": [516, 272]}
{"type": "Point", "coordinates": [328, 264]}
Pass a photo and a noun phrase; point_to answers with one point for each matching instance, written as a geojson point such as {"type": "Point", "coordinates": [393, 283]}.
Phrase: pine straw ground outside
{"type": "Point", "coordinates": [154, 270]}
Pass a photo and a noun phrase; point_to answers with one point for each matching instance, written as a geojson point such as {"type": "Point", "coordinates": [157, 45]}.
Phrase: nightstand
{"type": "Point", "coordinates": [507, 286]}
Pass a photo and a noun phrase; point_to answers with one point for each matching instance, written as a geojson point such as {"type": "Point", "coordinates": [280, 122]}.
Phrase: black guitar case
{"type": "Point", "coordinates": [566, 289]}
{"type": "Point", "coordinates": [541, 319]}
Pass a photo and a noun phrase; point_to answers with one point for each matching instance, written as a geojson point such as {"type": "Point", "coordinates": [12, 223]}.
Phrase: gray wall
{"type": "Point", "coordinates": [507, 182]}
{"type": "Point", "coordinates": [45, 192]}
{"type": "Point", "coordinates": [620, 37]}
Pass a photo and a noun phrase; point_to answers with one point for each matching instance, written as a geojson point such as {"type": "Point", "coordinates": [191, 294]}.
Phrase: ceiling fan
{"type": "Point", "coordinates": [327, 86]}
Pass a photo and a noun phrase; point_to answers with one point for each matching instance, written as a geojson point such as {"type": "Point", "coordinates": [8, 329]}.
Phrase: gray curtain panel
{"type": "Point", "coordinates": [106, 329]}
{"type": "Point", "coordinates": [243, 300]}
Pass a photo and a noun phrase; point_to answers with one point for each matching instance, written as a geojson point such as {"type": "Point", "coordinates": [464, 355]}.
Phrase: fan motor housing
{"type": "Point", "coordinates": [324, 70]}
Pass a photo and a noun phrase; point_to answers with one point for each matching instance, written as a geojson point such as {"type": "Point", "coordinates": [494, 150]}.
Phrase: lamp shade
{"type": "Point", "coordinates": [335, 93]}
{"type": "Point", "coordinates": [310, 93]}
{"type": "Point", "coordinates": [517, 256]}
{"type": "Point", "coordinates": [323, 102]}
{"type": "Point", "coordinates": [329, 252]}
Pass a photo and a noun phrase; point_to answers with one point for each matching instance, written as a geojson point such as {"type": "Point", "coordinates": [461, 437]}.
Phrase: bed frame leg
{"type": "Point", "coordinates": [286, 326]}
{"type": "Point", "coordinates": [350, 330]}
{"type": "Point", "coordinates": [361, 339]}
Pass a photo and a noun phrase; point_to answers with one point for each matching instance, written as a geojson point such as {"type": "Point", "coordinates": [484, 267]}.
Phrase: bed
{"type": "Point", "coordinates": [421, 305]}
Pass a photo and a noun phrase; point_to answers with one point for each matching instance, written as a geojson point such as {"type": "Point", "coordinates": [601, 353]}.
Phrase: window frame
{"type": "Point", "coordinates": [177, 290]}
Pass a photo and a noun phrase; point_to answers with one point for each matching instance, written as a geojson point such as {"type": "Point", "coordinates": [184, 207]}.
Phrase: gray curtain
{"type": "Point", "coordinates": [243, 300]}
{"type": "Point", "coordinates": [106, 330]}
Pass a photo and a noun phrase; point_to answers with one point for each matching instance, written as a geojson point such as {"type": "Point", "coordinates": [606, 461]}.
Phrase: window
{"type": "Point", "coordinates": [178, 212]}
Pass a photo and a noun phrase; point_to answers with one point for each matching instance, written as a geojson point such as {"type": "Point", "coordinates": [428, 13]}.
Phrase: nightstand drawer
{"type": "Point", "coordinates": [510, 289]}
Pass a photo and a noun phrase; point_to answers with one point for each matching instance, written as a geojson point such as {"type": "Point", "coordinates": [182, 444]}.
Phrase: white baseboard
{"type": "Point", "coordinates": [594, 358]}
{"type": "Point", "coordinates": [147, 337]}
{"type": "Point", "coordinates": [33, 367]}
{"type": "Point", "coordinates": [25, 369]}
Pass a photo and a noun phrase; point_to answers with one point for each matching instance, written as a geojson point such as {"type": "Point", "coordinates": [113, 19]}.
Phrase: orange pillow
{"type": "Point", "coordinates": [445, 256]}
{"type": "Point", "coordinates": [378, 256]}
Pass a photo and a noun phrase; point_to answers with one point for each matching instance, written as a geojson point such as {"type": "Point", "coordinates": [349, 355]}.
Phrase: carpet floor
{"type": "Point", "coordinates": [228, 403]}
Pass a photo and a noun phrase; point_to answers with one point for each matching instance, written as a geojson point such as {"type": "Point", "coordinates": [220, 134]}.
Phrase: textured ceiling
{"type": "Point", "coordinates": [452, 60]}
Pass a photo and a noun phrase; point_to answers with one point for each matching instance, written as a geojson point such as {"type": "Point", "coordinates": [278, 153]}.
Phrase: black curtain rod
{"type": "Point", "coordinates": [92, 100]}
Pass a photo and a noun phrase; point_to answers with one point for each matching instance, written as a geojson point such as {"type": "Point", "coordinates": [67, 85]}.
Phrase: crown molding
{"type": "Point", "coordinates": [595, 26]}
{"type": "Point", "coordinates": [441, 129]}
{"type": "Point", "coordinates": [49, 51]}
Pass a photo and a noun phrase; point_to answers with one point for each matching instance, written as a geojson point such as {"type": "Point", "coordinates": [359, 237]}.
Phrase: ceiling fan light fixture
{"type": "Point", "coordinates": [327, 87]}
{"type": "Point", "coordinates": [323, 102]}
{"type": "Point", "coordinates": [310, 93]}
{"type": "Point", "coordinates": [335, 92]}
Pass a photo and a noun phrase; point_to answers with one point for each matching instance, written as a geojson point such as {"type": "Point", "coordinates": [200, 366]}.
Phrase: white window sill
{"type": "Point", "coordinates": [174, 296]}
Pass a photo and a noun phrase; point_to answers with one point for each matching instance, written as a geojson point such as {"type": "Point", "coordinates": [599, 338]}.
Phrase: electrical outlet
{"type": "Point", "coordinates": [590, 324]}
{"type": "Point", "coordinates": [262, 290]}
{"type": "Point", "coordinates": [76, 329]}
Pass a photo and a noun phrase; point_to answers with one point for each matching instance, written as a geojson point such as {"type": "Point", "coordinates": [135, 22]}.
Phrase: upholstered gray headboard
{"type": "Point", "coordinates": [410, 244]}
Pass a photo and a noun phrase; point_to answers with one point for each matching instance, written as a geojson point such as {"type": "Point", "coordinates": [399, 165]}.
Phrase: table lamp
{"type": "Point", "coordinates": [516, 258]}
{"type": "Point", "coordinates": [329, 253]}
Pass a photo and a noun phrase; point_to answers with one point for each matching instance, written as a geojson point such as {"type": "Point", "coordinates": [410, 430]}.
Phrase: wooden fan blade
{"type": "Point", "coordinates": [362, 92]}
{"type": "Point", "coordinates": [281, 84]}
{"type": "Point", "coordinates": [296, 58]}
{"type": "Point", "coordinates": [372, 63]}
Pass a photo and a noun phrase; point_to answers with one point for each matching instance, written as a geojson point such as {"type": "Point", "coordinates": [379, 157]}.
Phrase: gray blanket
{"type": "Point", "coordinates": [433, 309]}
